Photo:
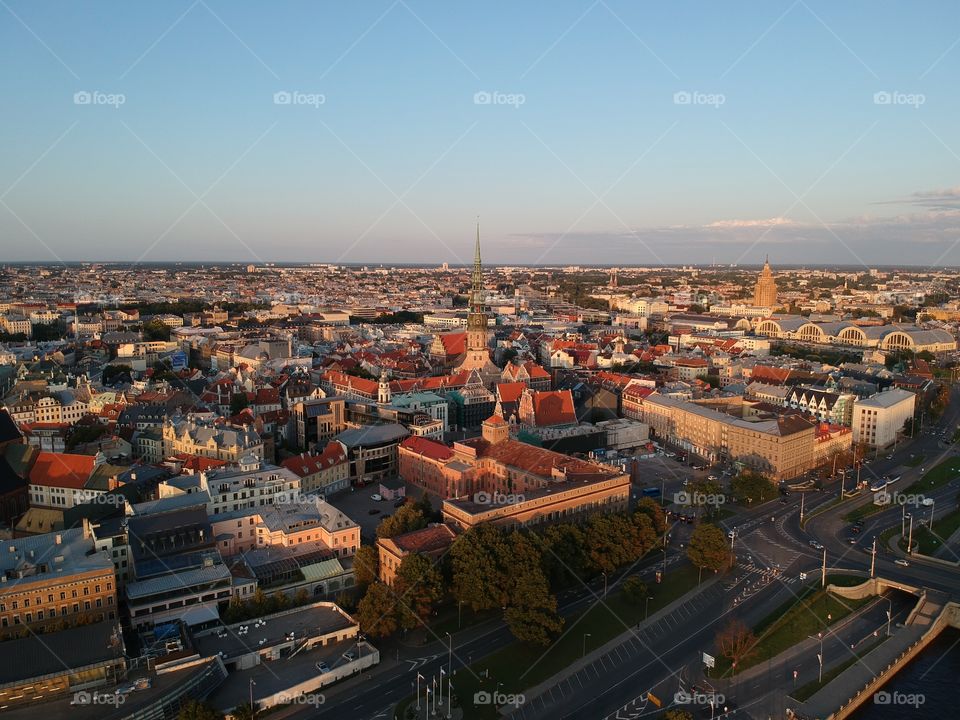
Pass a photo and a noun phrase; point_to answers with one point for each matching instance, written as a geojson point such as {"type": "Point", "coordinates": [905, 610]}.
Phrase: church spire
{"type": "Point", "coordinates": [476, 290]}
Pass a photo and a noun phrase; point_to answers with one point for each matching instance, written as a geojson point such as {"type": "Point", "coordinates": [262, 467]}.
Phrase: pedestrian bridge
{"type": "Point", "coordinates": [934, 611]}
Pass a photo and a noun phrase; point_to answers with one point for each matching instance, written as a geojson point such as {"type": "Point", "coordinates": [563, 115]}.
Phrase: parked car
{"type": "Point", "coordinates": [349, 655]}
{"type": "Point", "coordinates": [376, 496]}
{"type": "Point", "coordinates": [815, 545]}
{"type": "Point", "coordinates": [400, 503]}
{"type": "Point", "coordinates": [373, 511]}
{"type": "Point", "coordinates": [901, 562]}
{"type": "Point", "coordinates": [322, 667]}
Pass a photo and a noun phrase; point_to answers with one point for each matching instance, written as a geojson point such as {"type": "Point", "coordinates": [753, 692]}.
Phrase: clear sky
{"type": "Point", "coordinates": [579, 132]}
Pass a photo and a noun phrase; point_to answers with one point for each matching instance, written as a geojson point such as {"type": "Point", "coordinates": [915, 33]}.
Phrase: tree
{"type": "Point", "coordinates": [480, 579]}
{"type": "Point", "coordinates": [651, 508]}
{"type": "Point", "coordinates": [750, 488]}
{"type": "Point", "coordinates": [196, 710]}
{"type": "Point", "coordinates": [532, 613]}
{"type": "Point", "coordinates": [407, 519]}
{"type": "Point", "coordinates": [238, 401]}
{"type": "Point", "coordinates": [563, 552]}
{"type": "Point", "coordinates": [365, 565]}
{"type": "Point", "coordinates": [708, 549]}
{"type": "Point", "coordinates": [156, 330]}
{"type": "Point", "coordinates": [735, 642]}
{"type": "Point", "coordinates": [246, 711]}
{"type": "Point", "coordinates": [677, 714]}
{"type": "Point", "coordinates": [418, 587]}
{"type": "Point", "coordinates": [112, 373]}
{"type": "Point", "coordinates": [635, 590]}
{"type": "Point", "coordinates": [377, 611]}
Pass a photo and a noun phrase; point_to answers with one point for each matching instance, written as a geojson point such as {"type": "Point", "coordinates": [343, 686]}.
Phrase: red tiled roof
{"type": "Point", "coordinates": [431, 539]}
{"type": "Point", "coordinates": [308, 463]}
{"type": "Point", "coordinates": [427, 447]}
{"type": "Point", "coordinates": [62, 470]}
{"type": "Point", "coordinates": [454, 344]}
{"type": "Point", "coordinates": [535, 460]}
{"type": "Point", "coordinates": [554, 407]}
{"type": "Point", "coordinates": [510, 392]}
{"type": "Point", "coordinates": [198, 463]}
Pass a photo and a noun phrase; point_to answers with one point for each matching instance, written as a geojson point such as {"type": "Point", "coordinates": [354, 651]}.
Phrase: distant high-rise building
{"type": "Point", "coordinates": [765, 294]}
{"type": "Point", "coordinates": [477, 356]}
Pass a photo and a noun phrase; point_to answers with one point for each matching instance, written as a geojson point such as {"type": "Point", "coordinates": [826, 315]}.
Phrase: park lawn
{"type": "Point", "coordinates": [810, 689]}
{"type": "Point", "coordinates": [938, 476]}
{"type": "Point", "coordinates": [794, 621]}
{"type": "Point", "coordinates": [929, 542]}
{"type": "Point", "coordinates": [864, 511]}
{"type": "Point", "coordinates": [518, 665]}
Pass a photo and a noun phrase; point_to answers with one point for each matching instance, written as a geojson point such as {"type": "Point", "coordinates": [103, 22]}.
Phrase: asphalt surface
{"type": "Point", "coordinates": [772, 551]}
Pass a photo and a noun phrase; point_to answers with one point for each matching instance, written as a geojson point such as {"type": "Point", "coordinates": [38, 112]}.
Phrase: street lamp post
{"type": "Point", "coordinates": [910, 536]}
{"type": "Point", "coordinates": [253, 710]}
{"type": "Point", "coordinates": [873, 557]}
{"type": "Point", "coordinates": [820, 657]}
{"type": "Point", "coordinates": [419, 678]}
{"type": "Point", "coordinates": [449, 654]}
{"type": "Point", "coordinates": [889, 614]}
{"type": "Point", "coordinates": [604, 584]}
{"type": "Point", "coordinates": [646, 608]}
{"type": "Point", "coordinates": [584, 650]}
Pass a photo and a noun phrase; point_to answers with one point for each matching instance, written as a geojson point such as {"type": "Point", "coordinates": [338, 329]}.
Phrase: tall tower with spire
{"type": "Point", "coordinates": [765, 293]}
{"type": "Point", "coordinates": [477, 356]}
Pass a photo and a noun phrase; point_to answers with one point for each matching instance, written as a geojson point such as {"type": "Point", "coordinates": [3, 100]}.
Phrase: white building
{"type": "Point", "coordinates": [878, 418]}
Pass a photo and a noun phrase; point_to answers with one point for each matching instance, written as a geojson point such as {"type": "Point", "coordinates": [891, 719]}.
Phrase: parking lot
{"type": "Point", "coordinates": [359, 506]}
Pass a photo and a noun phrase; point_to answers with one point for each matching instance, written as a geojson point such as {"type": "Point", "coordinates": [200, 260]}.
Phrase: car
{"type": "Point", "coordinates": [322, 667]}
{"type": "Point", "coordinates": [712, 478]}
{"type": "Point", "coordinates": [815, 545]}
{"type": "Point", "coordinates": [856, 529]}
{"type": "Point", "coordinates": [349, 655]}
{"type": "Point", "coordinates": [852, 541]}
{"type": "Point", "coordinates": [400, 503]}
{"type": "Point", "coordinates": [373, 511]}
{"type": "Point", "coordinates": [376, 496]}
{"type": "Point", "coordinates": [783, 501]}
{"type": "Point", "coordinates": [901, 562]}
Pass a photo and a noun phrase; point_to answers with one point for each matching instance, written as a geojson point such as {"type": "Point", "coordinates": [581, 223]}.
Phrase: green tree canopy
{"type": "Point", "coordinates": [708, 548]}
{"type": "Point", "coordinates": [419, 587]}
{"type": "Point", "coordinates": [406, 519]}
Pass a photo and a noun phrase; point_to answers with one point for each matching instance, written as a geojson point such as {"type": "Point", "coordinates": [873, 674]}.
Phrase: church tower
{"type": "Point", "coordinates": [765, 293]}
{"type": "Point", "coordinates": [477, 356]}
{"type": "Point", "coordinates": [383, 389]}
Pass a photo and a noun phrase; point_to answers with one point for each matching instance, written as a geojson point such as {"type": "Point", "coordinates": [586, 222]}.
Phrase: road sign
{"type": "Point", "coordinates": [709, 660]}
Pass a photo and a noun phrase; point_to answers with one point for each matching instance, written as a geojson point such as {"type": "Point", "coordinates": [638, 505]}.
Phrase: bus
{"type": "Point", "coordinates": [651, 492]}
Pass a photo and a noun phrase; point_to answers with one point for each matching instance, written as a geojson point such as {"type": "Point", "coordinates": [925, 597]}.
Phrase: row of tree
{"type": "Point", "coordinates": [516, 571]}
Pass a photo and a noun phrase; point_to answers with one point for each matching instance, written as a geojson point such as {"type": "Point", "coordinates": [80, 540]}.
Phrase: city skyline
{"type": "Point", "coordinates": [597, 133]}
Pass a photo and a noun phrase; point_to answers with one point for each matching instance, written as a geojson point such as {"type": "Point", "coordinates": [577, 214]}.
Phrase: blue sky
{"type": "Point", "coordinates": [579, 132]}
